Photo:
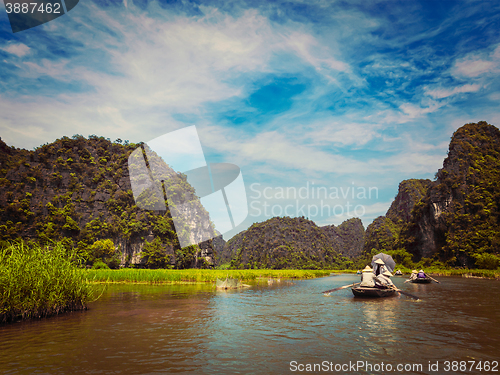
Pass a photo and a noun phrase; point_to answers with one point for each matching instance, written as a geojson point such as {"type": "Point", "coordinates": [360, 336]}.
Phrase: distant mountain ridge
{"type": "Point", "coordinates": [284, 242]}
{"type": "Point", "coordinates": [77, 190]}
{"type": "Point", "coordinates": [454, 220]}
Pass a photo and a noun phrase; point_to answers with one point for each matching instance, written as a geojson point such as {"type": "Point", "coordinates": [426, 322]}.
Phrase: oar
{"type": "Point", "coordinates": [433, 279]}
{"type": "Point", "coordinates": [339, 288]}
{"type": "Point", "coordinates": [406, 293]}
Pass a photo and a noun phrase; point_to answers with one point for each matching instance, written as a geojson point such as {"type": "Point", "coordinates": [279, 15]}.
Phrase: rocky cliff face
{"type": "Point", "coordinates": [283, 242]}
{"type": "Point", "coordinates": [383, 233]}
{"type": "Point", "coordinates": [78, 191]}
{"type": "Point", "coordinates": [458, 220]}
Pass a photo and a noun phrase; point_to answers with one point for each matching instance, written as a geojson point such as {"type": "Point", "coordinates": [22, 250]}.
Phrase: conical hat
{"type": "Point", "coordinates": [367, 269]}
{"type": "Point", "coordinates": [387, 273]}
{"type": "Point", "coordinates": [421, 271]}
{"type": "Point", "coordinates": [414, 271]}
{"type": "Point", "coordinates": [379, 261]}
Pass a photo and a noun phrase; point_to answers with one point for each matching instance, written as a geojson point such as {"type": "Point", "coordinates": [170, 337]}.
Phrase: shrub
{"type": "Point", "coordinates": [99, 265]}
{"type": "Point", "coordinates": [487, 261]}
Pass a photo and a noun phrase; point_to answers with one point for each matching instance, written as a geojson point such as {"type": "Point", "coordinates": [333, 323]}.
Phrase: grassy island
{"type": "Point", "coordinates": [168, 276]}
{"type": "Point", "coordinates": [37, 281]}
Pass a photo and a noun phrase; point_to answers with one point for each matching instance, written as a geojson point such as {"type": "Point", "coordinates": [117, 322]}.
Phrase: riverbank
{"type": "Point", "coordinates": [38, 281]}
{"type": "Point", "coordinates": [468, 273]}
{"type": "Point", "coordinates": [463, 272]}
{"type": "Point", "coordinates": [189, 276]}
{"type": "Point", "coordinates": [167, 276]}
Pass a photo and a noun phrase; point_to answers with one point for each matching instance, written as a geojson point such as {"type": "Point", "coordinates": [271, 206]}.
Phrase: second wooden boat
{"type": "Point", "coordinates": [421, 280]}
{"type": "Point", "coordinates": [367, 292]}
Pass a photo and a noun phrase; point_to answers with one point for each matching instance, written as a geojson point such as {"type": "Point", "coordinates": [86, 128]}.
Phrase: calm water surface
{"type": "Point", "coordinates": [139, 329]}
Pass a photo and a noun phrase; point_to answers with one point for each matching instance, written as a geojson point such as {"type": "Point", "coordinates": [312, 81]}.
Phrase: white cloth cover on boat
{"type": "Point", "coordinates": [367, 279]}
{"type": "Point", "coordinates": [384, 280]}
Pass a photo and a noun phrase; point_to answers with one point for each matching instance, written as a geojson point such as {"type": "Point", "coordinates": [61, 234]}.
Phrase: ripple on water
{"type": "Point", "coordinates": [143, 329]}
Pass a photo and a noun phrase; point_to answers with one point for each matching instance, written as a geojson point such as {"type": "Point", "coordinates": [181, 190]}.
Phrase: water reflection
{"type": "Point", "coordinates": [140, 329]}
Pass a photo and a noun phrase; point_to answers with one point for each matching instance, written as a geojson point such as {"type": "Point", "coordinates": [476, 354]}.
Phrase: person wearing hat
{"type": "Point", "coordinates": [421, 274]}
{"type": "Point", "coordinates": [384, 280]}
{"type": "Point", "coordinates": [367, 277]}
{"type": "Point", "coordinates": [379, 267]}
{"type": "Point", "coordinates": [413, 276]}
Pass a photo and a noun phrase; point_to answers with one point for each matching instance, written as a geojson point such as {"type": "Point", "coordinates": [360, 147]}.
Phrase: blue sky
{"type": "Point", "coordinates": [332, 94]}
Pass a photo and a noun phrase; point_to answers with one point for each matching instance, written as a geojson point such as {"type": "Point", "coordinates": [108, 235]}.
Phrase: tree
{"type": "Point", "coordinates": [154, 255]}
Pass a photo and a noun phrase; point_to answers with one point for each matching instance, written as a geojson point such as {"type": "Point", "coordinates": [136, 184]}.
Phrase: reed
{"type": "Point", "coordinates": [132, 275]}
{"type": "Point", "coordinates": [38, 281]}
{"type": "Point", "coordinates": [465, 272]}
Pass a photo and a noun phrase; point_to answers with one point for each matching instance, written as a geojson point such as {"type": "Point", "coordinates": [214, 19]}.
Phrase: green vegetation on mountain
{"type": "Point", "coordinates": [454, 220]}
{"type": "Point", "coordinates": [284, 243]}
{"type": "Point", "coordinates": [77, 191]}
{"type": "Point", "coordinates": [458, 221]}
{"type": "Point", "coordinates": [347, 238]}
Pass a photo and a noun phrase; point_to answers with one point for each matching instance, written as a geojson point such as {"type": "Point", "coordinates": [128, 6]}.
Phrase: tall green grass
{"type": "Point", "coordinates": [38, 281]}
{"type": "Point", "coordinates": [132, 275]}
{"type": "Point", "coordinates": [465, 272]}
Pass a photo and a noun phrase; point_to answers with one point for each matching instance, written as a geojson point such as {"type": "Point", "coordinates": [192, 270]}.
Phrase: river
{"type": "Point", "coordinates": [283, 328]}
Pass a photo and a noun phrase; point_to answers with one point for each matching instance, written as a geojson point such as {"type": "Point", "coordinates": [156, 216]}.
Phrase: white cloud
{"type": "Point", "coordinates": [366, 212]}
{"type": "Point", "coordinates": [413, 111]}
{"type": "Point", "coordinates": [444, 93]}
{"type": "Point", "coordinates": [19, 49]}
{"type": "Point", "coordinates": [47, 68]}
{"type": "Point", "coordinates": [473, 65]}
{"type": "Point", "coordinates": [282, 153]}
{"type": "Point", "coordinates": [161, 64]}
{"type": "Point", "coordinates": [307, 47]}
{"type": "Point", "coordinates": [343, 133]}
{"type": "Point", "coordinates": [276, 149]}
{"type": "Point", "coordinates": [494, 96]}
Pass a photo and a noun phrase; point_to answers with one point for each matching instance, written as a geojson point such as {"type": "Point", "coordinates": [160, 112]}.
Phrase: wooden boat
{"type": "Point", "coordinates": [368, 292]}
{"type": "Point", "coordinates": [421, 280]}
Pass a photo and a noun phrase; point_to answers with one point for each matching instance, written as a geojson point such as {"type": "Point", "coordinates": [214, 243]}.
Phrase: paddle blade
{"type": "Point", "coordinates": [408, 294]}
{"type": "Point", "coordinates": [339, 288]}
{"type": "Point", "coordinates": [434, 280]}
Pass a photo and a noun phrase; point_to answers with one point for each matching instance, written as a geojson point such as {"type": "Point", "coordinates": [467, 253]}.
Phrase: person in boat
{"type": "Point", "coordinates": [421, 274]}
{"type": "Point", "coordinates": [413, 276]}
{"type": "Point", "coordinates": [367, 277]}
{"type": "Point", "coordinates": [379, 267]}
{"type": "Point", "coordinates": [398, 272]}
{"type": "Point", "coordinates": [384, 280]}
